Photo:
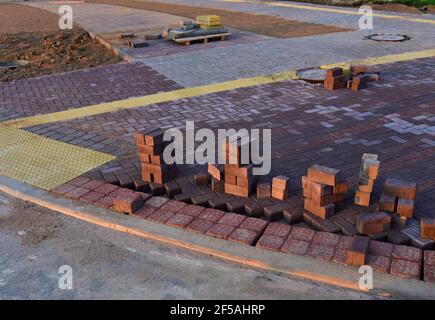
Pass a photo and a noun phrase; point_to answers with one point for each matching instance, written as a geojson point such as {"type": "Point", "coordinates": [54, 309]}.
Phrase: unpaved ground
{"type": "Point", "coordinates": [261, 24]}
{"type": "Point", "coordinates": [36, 242]}
{"type": "Point", "coordinates": [33, 36]}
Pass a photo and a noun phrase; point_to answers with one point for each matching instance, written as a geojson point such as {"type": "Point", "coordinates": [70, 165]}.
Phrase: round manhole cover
{"type": "Point", "coordinates": [315, 75]}
{"type": "Point", "coordinates": [388, 37]}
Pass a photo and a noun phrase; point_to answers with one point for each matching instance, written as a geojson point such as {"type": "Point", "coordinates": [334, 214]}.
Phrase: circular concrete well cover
{"type": "Point", "coordinates": [313, 75]}
{"type": "Point", "coordinates": [388, 37]}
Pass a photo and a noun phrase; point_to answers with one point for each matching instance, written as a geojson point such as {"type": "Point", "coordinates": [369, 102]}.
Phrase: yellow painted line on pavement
{"type": "Point", "coordinates": [332, 10]}
{"type": "Point", "coordinates": [196, 91]}
{"type": "Point", "coordinates": [42, 162]}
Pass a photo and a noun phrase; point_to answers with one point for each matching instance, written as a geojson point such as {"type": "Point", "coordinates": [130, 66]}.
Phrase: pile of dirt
{"type": "Point", "coordinates": [54, 52]}
{"type": "Point", "coordinates": [261, 24]}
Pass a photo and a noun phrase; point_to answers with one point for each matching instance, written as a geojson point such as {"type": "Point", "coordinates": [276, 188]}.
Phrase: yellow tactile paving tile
{"type": "Point", "coordinates": [332, 10]}
{"type": "Point", "coordinates": [44, 162]}
{"type": "Point", "coordinates": [196, 91]}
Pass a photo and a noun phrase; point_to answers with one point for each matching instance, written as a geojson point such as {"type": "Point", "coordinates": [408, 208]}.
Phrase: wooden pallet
{"type": "Point", "coordinates": [187, 41]}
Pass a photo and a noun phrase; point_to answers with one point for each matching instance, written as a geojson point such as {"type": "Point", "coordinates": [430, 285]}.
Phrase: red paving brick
{"type": "Point", "coordinates": [179, 220]}
{"type": "Point", "coordinates": [160, 216]}
{"type": "Point", "coordinates": [79, 181]}
{"type": "Point", "coordinates": [253, 224]}
{"type": "Point", "coordinates": [295, 246]}
{"type": "Point", "coordinates": [221, 231]}
{"type": "Point", "coordinates": [429, 273]}
{"type": "Point", "coordinates": [380, 248]}
{"type": "Point", "coordinates": [64, 188]}
{"type": "Point", "coordinates": [244, 236]}
{"type": "Point", "coordinates": [173, 206]}
{"type": "Point", "coordinates": [76, 193]}
{"type": "Point", "coordinates": [106, 188]}
{"type": "Point", "coordinates": [144, 212]}
{"type": "Point", "coordinates": [92, 197]}
{"type": "Point", "coordinates": [319, 251]}
{"type": "Point", "coordinates": [270, 242]}
{"type": "Point", "coordinates": [326, 239]}
{"type": "Point", "coordinates": [200, 225]}
{"type": "Point", "coordinates": [429, 257]}
{"type": "Point", "coordinates": [105, 202]}
{"type": "Point", "coordinates": [303, 234]}
{"type": "Point", "coordinates": [340, 256]}
{"type": "Point", "coordinates": [211, 214]}
{"type": "Point", "coordinates": [405, 269]}
{"type": "Point", "coordinates": [92, 184]}
{"type": "Point", "coordinates": [232, 219]}
{"type": "Point", "coordinates": [192, 210]}
{"type": "Point", "coordinates": [407, 253]}
{"type": "Point", "coordinates": [379, 263]}
{"type": "Point", "coordinates": [345, 242]}
{"type": "Point", "coordinates": [278, 229]}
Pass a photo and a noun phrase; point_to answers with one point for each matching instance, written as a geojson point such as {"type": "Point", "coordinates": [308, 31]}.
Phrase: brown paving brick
{"type": "Point", "coordinates": [121, 192]}
{"type": "Point", "coordinates": [92, 197]}
{"type": "Point", "coordinates": [221, 231]}
{"type": "Point", "coordinates": [156, 202]}
{"type": "Point", "coordinates": [128, 204]}
{"type": "Point", "coordinates": [192, 210]}
{"type": "Point", "coordinates": [232, 219]}
{"type": "Point", "coordinates": [180, 220]}
{"type": "Point", "coordinates": [254, 224]}
{"type": "Point", "coordinates": [319, 251]}
{"type": "Point", "coordinates": [244, 236]}
{"type": "Point", "coordinates": [144, 212]}
{"type": "Point", "coordinates": [79, 181]}
{"type": "Point", "coordinates": [212, 214]}
{"type": "Point", "coordinates": [345, 242]}
{"type": "Point", "coordinates": [200, 225]}
{"type": "Point", "coordinates": [340, 256]}
{"type": "Point", "coordinates": [295, 246]}
{"type": "Point", "coordinates": [429, 257]}
{"type": "Point", "coordinates": [106, 188]}
{"type": "Point", "coordinates": [379, 263]}
{"type": "Point", "coordinates": [76, 193]}
{"type": "Point", "coordinates": [407, 253]}
{"type": "Point", "coordinates": [173, 206]}
{"type": "Point", "coordinates": [380, 248]}
{"type": "Point", "coordinates": [270, 242]}
{"type": "Point", "coordinates": [64, 188]}
{"type": "Point", "coordinates": [429, 273]}
{"type": "Point", "coordinates": [160, 216]}
{"type": "Point", "coordinates": [303, 234]}
{"type": "Point", "coordinates": [326, 239]}
{"type": "Point", "coordinates": [278, 229]}
{"type": "Point", "coordinates": [405, 269]}
{"type": "Point", "coordinates": [105, 202]}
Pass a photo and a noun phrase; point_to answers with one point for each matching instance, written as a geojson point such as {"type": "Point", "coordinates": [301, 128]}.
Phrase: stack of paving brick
{"type": "Point", "coordinates": [398, 197]}
{"type": "Point", "coordinates": [209, 22]}
{"type": "Point", "coordinates": [353, 77]}
{"type": "Point", "coordinates": [322, 187]}
{"type": "Point", "coordinates": [239, 179]}
{"type": "Point", "coordinates": [368, 173]}
{"type": "Point", "coordinates": [150, 146]}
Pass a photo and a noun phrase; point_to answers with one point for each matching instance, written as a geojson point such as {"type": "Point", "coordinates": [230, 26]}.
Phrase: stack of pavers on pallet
{"type": "Point", "coordinates": [322, 188]}
{"type": "Point", "coordinates": [398, 197]}
{"type": "Point", "coordinates": [204, 26]}
{"type": "Point", "coordinates": [369, 171]}
{"type": "Point", "coordinates": [352, 77]}
{"type": "Point", "coordinates": [239, 178]}
{"type": "Point", "coordinates": [150, 146]}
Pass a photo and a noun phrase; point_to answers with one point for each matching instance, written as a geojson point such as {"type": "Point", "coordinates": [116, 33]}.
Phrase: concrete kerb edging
{"type": "Point", "coordinates": [286, 264]}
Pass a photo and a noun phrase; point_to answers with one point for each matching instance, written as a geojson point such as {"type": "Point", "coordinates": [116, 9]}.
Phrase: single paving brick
{"type": "Point", "coordinates": [340, 256]}
{"type": "Point", "coordinates": [200, 225]}
{"type": "Point", "coordinates": [407, 253]}
{"type": "Point", "coordinates": [244, 236]}
{"type": "Point", "coordinates": [160, 216]}
{"type": "Point", "coordinates": [106, 188]}
{"type": "Point", "coordinates": [79, 181]}
{"type": "Point", "coordinates": [64, 188]}
{"type": "Point", "coordinates": [303, 234]}
{"type": "Point", "coordinates": [76, 193]}
{"type": "Point", "coordinates": [429, 257]}
{"type": "Point", "coordinates": [345, 242]}
{"type": "Point", "coordinates": [270, 242]}
{"type": "Point", "coordinates": [92, 197]}
{"type": "Point", "coordinates": [405, 269]}
{"type": "Point", "coordinates": [295, 246]}
{"type": "Point", "coordinates": [192, 210]}
{"type": "Point", "coordinates": [92, 184]}
{"type": "Point", "coordinates": [144, 212]}
{"type": "Point", "coordinates": [429, 273]}
{"type": "Point", "coordinates": [232, 219]}
{"type": "Point", "coordinates": [179, 220]}
{"type": "Point", "coordinates": [380, 248]}
{"type": "Point", "coordinates": [254, 224]}
{"type": "Point", "coordinates": [105, 202]}
{"type": "Point", "coordinates": [221, 231]}
{"type": "Point", "coordinates": [173, 206]}
{"type": "Point", "coordinates": [319, 251]}
{"type": "Point", "coordinates": [212, 214]}
{"type": "Point", "coordinates": [156, 202]}
{"type": "Point", "coordinates": [278, 229]}
{"type": "Point", "coordinates": [379, 263]}
{"type": "Point", "coordinates": [326, 239]}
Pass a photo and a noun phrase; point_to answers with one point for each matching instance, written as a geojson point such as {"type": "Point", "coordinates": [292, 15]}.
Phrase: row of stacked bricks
{"type": "Point", "coordinates": [352, 77]}
{"type": "Point", "coordinates": [239, 179]}
{"type": "Point", "coordinates": [322, 188]}
{"type": "Point", "coordinates": [369, 171]}
{"type": "Point", "coordinates": [150, 146]}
